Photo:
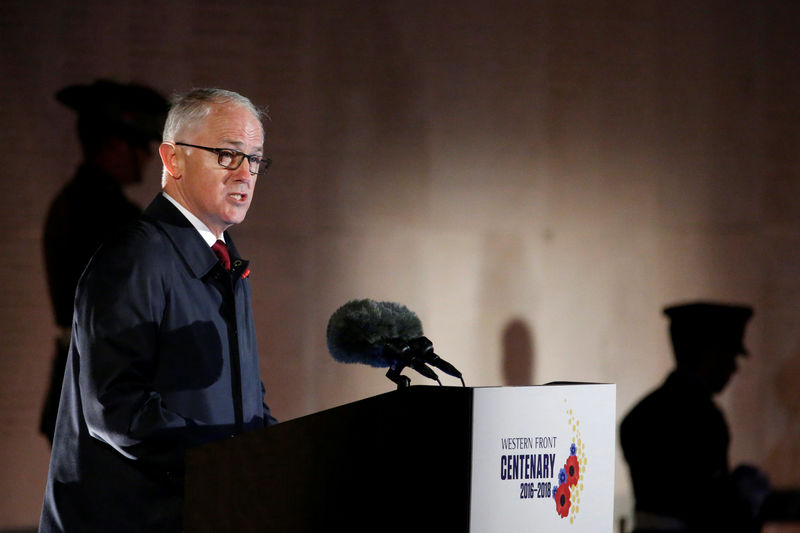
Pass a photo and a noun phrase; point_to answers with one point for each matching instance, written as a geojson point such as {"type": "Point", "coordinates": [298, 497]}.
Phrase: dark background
{"type": "Point", "coordinates": [534, 179]}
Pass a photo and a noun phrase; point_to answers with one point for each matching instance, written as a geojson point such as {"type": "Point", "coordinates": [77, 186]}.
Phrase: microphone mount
{"type": "Point", "coordinates": [418, 354]}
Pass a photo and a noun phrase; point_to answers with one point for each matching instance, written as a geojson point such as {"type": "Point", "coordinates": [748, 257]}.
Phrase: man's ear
{"type": "Point", "coordinates": [171, 160]}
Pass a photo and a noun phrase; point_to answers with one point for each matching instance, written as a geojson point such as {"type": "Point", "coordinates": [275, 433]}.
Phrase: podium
{"type": "Point", "coordinates": [421, 459]}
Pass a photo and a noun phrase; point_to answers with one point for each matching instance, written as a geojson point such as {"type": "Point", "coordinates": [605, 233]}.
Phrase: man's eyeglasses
{"type": "Point", "coordinates": [232, 159]}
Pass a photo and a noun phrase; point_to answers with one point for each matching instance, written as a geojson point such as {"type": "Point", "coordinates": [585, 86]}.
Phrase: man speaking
{"type": "Point", "coordinates": [163, 351]}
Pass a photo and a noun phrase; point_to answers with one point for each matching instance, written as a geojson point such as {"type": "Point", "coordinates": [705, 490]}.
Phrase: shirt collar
{"type": "Point", "coordinates": [201, 228]}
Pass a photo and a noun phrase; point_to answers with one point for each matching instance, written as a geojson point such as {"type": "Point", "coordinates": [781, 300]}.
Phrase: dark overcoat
{"type": "Point", "coordinates": [163, 356]}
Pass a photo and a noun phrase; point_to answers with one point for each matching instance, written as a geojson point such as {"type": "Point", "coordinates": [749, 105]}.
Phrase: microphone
{"type": "Point", "coordinates": [360, 330]}
{"type": "Point", "coordinates": [399, 355]}
{"type": "Point", "coordinates": [383, 334]}
{"type": "Point", "coordinates": [423, 348]}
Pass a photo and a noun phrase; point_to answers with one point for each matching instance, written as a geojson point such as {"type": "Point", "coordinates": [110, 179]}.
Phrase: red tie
{"type": "Point", "coordinates": [222, 252]}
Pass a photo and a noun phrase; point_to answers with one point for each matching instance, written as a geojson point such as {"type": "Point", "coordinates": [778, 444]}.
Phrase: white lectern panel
{"type": "Point", "coordinates": [543, 459]}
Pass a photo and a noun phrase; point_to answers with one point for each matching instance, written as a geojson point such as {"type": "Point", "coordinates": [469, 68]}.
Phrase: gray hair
{"type": "Point", "coordinates": [193, 106]}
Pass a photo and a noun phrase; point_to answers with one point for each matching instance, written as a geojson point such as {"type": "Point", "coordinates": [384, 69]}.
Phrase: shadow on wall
{"type": "Point", "coordinates": [518, 354]}
{"type": "Point", "coordinates": [788, 395]}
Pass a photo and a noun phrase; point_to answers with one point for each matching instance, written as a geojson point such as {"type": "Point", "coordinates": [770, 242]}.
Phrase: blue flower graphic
{"type": "Point", "coordinates": [573, 449]}
{"type": "Point", "coordinates": [562, 476]}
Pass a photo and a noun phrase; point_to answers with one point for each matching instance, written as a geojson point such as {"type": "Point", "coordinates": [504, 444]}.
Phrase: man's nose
{"type": "Point", "coordinates": [243, 172]}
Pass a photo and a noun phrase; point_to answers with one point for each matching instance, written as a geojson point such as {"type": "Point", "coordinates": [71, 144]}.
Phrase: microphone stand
{"type": "Point", "coordinates": [395, 375]}
{"type": "Point", "coordinates": [401, 356]}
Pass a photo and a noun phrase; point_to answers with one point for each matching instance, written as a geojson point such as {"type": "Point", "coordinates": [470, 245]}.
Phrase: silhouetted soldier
{"type": "Point", "coordinates": [117, 127]}
{"type": "Point", "coordinates": [676, 439]}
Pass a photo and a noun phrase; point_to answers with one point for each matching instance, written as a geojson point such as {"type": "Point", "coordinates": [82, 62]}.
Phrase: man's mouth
{"type": "Point", "coordinates": [238, 196]}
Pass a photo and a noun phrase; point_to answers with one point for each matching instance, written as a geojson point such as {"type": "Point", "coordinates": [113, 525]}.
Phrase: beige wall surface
{"type": "Point", "coordinates": [536, 180]}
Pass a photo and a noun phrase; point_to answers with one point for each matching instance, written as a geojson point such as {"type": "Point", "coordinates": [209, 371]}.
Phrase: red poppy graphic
{"type": "Point", "coordinates": [562, 500]}
{"type": "Point", "coordinates": [573, 471]}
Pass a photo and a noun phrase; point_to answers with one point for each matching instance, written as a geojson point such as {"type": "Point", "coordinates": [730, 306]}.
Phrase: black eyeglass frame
{"type": "Point", "coordinates": [263, 162]}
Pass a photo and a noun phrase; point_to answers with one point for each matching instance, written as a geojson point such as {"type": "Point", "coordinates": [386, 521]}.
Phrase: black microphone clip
{"type": "Point", "coordinates": [422, 348]}
{"type": "Point", "coordinates": [418, 354]}
{"type": "Point", "coordinates": [400, 355]}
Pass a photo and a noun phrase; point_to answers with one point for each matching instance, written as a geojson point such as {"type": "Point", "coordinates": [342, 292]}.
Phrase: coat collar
{"type": "Point", "coordinates": [187, 241]}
